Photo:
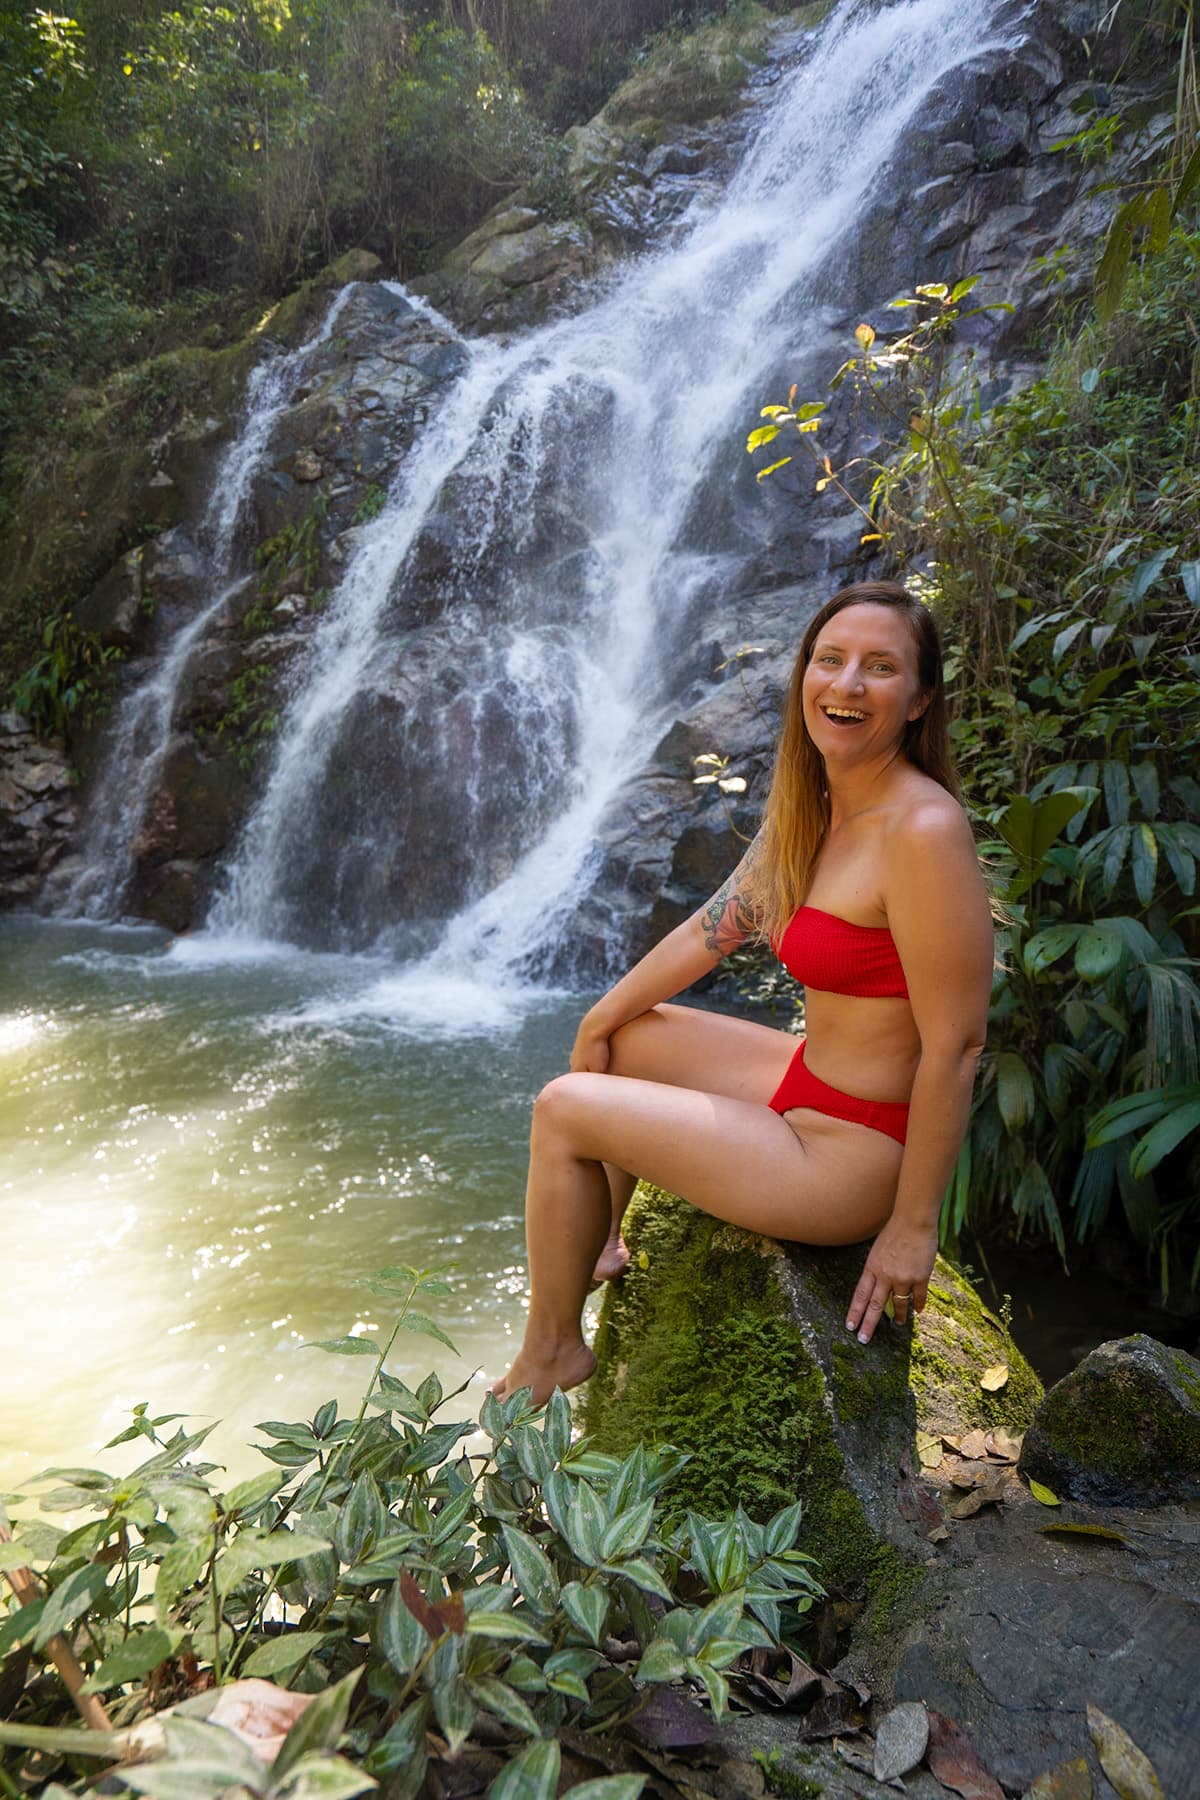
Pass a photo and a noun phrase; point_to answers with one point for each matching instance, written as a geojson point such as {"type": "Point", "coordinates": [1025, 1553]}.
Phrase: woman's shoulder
{"type": "Point", "coordinates": [925, 819]}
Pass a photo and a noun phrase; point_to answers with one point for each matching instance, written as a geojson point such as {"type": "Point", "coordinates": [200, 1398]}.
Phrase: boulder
{"type": "Point", "coordinates": [734, 1348]}
{"type": "Point", "coordinates": [39, 812]}
{"type": "Point", "coordinates": [1121, 1429]}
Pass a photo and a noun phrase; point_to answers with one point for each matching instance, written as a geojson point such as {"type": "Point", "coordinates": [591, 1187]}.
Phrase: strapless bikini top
{"type": "Point", "coordinates": [830, 954]}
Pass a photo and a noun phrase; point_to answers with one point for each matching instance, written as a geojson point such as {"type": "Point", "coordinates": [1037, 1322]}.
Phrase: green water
{"type": "Point", "coordinates": [201, 1157]}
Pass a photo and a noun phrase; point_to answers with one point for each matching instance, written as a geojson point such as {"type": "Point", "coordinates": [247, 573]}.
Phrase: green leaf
{"type": "Point", "coordinates": [1190, 571]}
{"type": "Point", "coordinates": [1045, 947]}
{"type": "Point", "coordinates": [1146, 574]}
{"type": "Point", "coordinates": [318, 1777]}
{"type": "Point", "coordinates": [505, 1625]}
{"type": "Point", "coordinates": [499, 1699]}
{"type": "Point", "coordinates": [425, 1327]}
{"type": "Point", "coordinates": [1112, 271]}
{"type": "Point", "coordinates": [1115, 778]}
{"type": "Point", "coordinates": [1044, 1494]}
{"type": "Point", "coordinates": [435, 1446]}
{"type": "Point", "coordinates": [557, 1429]}
{"type": "Point", "coordinates": [284, 1652]}
{"type": "Point", "coordinates": [1015, 1092]}
{"type": "Point", "coordinates": [1098, 952]}
{"type": "Point", "coordinates": [181, 1567]}
{"type": "Point", "coordinates": [585, 1523]}
{"type": "Point", "coordinates": [402, 1637]}
{"type": "Point", "coordinates": [454, 1709]}
{"type": "Point", "coordinates": [781, 1532]}
{"type": "Point", "coordinates": [1066, 637]}
{"type": "Point", "coordinates": [319, 1726]}
{"type": "Point", "coordinates": [719, 1618]}
{"type": "Point", "coordinates": [765, 434]}
{"type": "Point", "coordinates": [531, 1775]}
{"type": "Point", "coordinates": [249, 1494]}
{"type": "Point", "coordinates": [1039, 622]}
{"type": "Point", "coordinates": [1146, 785]}
{"type": "Point", "coordinates": [141, 1652]}
{"type": "Point", "coordinates": [1118, 848]}
{"type": "Point", "coordinates": [531, 1569]}
{"type": "Point", "coordinates": [75, 1596]}
{"type": "Point", "coordinates": [587, 1609]}
{"type": "Point", "coordinates": [1164, 1137]}
{"type": "Point", "coordinates": [662, 1660]}
{"type": "Point", "coordinates": [627, 1532]}
{"type": "Point", "coordinates": [346, 1346]}
{"type": "Point", "coordinates": [362, 1520]}
{"type": "Point", "coordinates": [761, 475]}
{"type": "Point", "coordinates": [643, 1575]}
{"type": "Point", "coordinates": [1145, 863]}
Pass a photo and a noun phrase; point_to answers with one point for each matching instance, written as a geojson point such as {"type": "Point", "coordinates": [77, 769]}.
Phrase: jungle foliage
{"type": "Point", "coordinates": [166, 171]}
{"type": "Point", "coordinates": [1057, 535]}
{"type": "Point", "coordinates": [437, 1597]}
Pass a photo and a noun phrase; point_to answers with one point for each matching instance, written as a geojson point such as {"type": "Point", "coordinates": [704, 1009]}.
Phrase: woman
{"type": "Point", "coordinates": [865, 878]}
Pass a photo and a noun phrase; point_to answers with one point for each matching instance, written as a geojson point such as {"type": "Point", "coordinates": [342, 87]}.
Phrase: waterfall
{"type": "Point", "coordinates": [141, 734]}
{"type": "Point", "coordinates": [440, 781]}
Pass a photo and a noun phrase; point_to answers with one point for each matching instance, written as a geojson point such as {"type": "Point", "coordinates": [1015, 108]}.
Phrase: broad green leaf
{"type": "Point", "coordinates": [1112, 271]}
{"type": "Point", "coordinates": [1190, 571]}
{"type": "Point", "coordinates": [504, 1703]}
{"type": "Point", "coordinates": [317, 1777]}
{"type": "Point", "coordinates": [1114, 777]}
{"type": "Point", "coordinates": [587, 1609]}
{"type": "Point", "coordinates": [1098, 952]}
{"type": "Point", "coordinates": [643, 1575]}
{"type": "Point", "coordinates": [719, 1618]}
{"type": "Point", "coordinates": [531, 1569]}
{"type": "Point", "coordinates": [319, 1727]}
{"type": "Point", "coordinates": [181, 1567]}
{"type": "Point", "coordinates": [74, 1597]}
{"type": "Point", "coordinates": [284, 1652]}
{"type": "Point", "coordinates": [1144, 776]}
{"type": "Point", "coordinates": [1039, 622]}
{"type": "Point", "coordinates": [585, 1523]}
{"type": "Point", "coordinates": [1066, 637]}
{"type": "Point", "coordinates": [504, 1625]}
{"type": "Point", "coordinates": [1119, 842]}
{"type": "Point", "coordinates": [435, 1446]}
{"type": "Point", "coordinates": [764, 434]}
{"type": "Point", "coordinates": [608, 1787]}
{"type": "Point", "coordinates": [1015, 1092]}
{"type": "Point", "coordinates": [249, 1494]}
{"type": "Point", "coordinates": [531, 1775]}
{"type": "Point", "coordinates": [1164, 1137]}
{"type": "Point", "coordinates": [346, 1346]}
{"type": "Point", "coordinates": [1144, 863]}
{"type": "Point", "coordinates": [1046, 1495]}
{"type": "Point", "coordinates": [454, 1709]}
{"type": "Point", "coordinates": [362, 1520]}
{"type": "Point", "coordinates": [1146, 574]}
{"type": "Point", "coordinates": [661, 1661]}
{"type": "Point", "coordinates": [1045, 947]}
{"type": "Point", "coordinates": [402, 1637]}
{"type": "Point", "coordinates": [781, 1531]}
{"type": "Point", "coordinates": [557, 1428]}
{"type": "Point", "coordinates": [196, 1740]}
{"type": "Point", "coordinates": [627, 1532]}
{"type": "Point", "coordinates": [141, 1652]}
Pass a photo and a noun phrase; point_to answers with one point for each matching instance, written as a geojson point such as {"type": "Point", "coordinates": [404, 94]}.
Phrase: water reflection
{"type": "Point", "coordinates": [201, 1159]}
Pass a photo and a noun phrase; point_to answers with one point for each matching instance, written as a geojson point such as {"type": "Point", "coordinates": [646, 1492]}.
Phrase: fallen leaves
{"type": "Point", "coordinates": [918, 1504]}
{"type": "Point", "coordinates": [994, 1379]}
{"type": "Point", "coordinates": [1070, 1781]}
{"type": "Point", "coordinates": [1128, 1768]}
{"type": "Point", "coordinates": [929, 1449]}
{"type": "Point", "coordinates": [1046, 1495]}
{"type": "Point", "coordinates": [952, 1759]}
{"type": "Point", "coordinates": [989, 1492]}
{"type": "Point", "coordinates": [901, 1740]}
{"type": "Point", "coordinates": [1066, 1528]}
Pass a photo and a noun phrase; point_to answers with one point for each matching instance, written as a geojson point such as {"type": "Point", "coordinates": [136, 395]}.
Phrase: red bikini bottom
{"type": "Point", "coordinates": [800, 1087]}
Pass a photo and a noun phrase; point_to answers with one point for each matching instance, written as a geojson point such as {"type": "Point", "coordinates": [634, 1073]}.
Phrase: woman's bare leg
{"type": "Point", "coordinates": [688, 1048]}
{"type": "Point", "coordinates": [733, 1158]}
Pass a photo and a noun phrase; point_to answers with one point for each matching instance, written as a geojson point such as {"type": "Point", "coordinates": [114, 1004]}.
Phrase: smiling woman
{"type": "Point", "coordinates": [865, 879]}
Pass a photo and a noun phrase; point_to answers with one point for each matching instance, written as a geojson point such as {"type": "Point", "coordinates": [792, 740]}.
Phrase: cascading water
{"type": "Point", "coordinates": [142, 732]}
{"type": "Point", "coordinates": [456, 768]}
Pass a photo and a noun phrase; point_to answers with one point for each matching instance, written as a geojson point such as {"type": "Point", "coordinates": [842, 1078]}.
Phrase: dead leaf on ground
{"type": "Point", "coordinates": [988, 1493]}
{"type": "Point", "coordinates": [260, 1713]}
{"type": "Point", "coordinates": [1004, 1445]}
{"type": "Point", "coordinates": [917, 1504]}
{"type": "Point", "coordinates": [951, 1443]}
{"type": "Point", "coordinates": [782, 1678]}
{"type": "Point", "coordinates": [995, 1378]}
{"type": "Point", "coordinates": [973, 1447]}
{"type": "Point", "coordinates": [1070, 1781]}
{"type": "Point", "coordinates": [901, 1740]}
{"type": "Point", "coordinates": [929, 1449]}
{"type": "Point", "coordinates": [671, 1720]}
{"type": "Point", "coordinates": [952, 1759]}
{"type": "Point", "coordinates": [971, 1475]}
{"type": "Point", "coordinates": [834, 1713]}
{"type": "Point", "coordinates": [1064, 1528]}
{"type": "Point", "coordinates": [938, 1535]}
{"type": "Point", "coordinates": [1046, 1495]}
{"type": "Point", "coordinates": [1128, 1768]}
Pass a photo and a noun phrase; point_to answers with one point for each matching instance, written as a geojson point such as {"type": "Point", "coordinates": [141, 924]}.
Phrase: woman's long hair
{"type": "Point", "coordinates": [796, 818]}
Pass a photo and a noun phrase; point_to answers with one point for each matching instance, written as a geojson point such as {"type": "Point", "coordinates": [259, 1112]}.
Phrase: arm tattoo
{"type": "Point", "coordinates": [730, 917]}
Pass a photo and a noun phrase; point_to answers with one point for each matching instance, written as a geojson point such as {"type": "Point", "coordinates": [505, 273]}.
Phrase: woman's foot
{"type": "Point", "coordinates": [565, 1367]}
{"type": "Point", "coordinates": [612, 1262]}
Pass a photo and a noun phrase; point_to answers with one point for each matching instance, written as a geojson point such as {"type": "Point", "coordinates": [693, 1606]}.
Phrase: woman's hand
{"type": "Point", "coordinates": [590, 1053]}
{"type": "Point", "coordinates": [898, 1268]}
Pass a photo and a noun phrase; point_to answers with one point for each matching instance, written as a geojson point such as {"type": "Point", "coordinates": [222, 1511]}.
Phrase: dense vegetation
{"type": "Point", "coordinates": [432, 1593]}
{"type": "Point", "coordinates": [1058, 537]}
{"type": "Point", "coordinates": [165, 171]}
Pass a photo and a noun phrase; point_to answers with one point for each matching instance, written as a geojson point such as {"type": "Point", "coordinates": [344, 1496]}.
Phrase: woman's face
{"type": "Point", "coordinates": [861, 686]}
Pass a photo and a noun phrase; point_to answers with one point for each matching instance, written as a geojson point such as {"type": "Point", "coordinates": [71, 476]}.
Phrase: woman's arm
{"type": "Point", "coordinates": [685, 954]}
{"type": "Point", "coordinates": [939, 915]}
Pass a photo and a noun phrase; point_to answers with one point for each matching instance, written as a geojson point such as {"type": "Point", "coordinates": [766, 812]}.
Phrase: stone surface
{"type": "Point", "coordinates": [734, 1348]}
{"type": "Point", "coordinates": [39, 812]}
{"type": "Point", "coordinates": [1121, 1429]}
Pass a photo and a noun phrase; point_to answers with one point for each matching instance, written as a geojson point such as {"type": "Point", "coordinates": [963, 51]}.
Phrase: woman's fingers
{"type": "Point", "coordinates": [871, 1297]}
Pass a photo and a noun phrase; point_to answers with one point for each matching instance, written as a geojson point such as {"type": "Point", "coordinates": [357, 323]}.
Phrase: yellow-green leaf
{"type": "Point", "coordinates": [771, 468]}
{"type": "Point", "coordinates": [1128, 1768]}
{"type": "Point", "coordinates": [1044, 1494]}
{"type": "Point", "coordinates": [1065, 1528]}
{"type": "Point", "coordinates": [766, 434]}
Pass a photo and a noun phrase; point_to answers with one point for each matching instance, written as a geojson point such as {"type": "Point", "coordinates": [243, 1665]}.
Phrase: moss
{"type": "Point", "coordinates": [1189, 1377]}
{"type": "Point", "coordinates": [945, 1380]}
{"type": "Point", "coordinates": [782, 1777]}
{"type": "Point", "coordinates": [686, 78]}
{"type": "Point", "coordinates": [695, 1349]}
{"type": "Point", "coordinates": [1116, 1419]}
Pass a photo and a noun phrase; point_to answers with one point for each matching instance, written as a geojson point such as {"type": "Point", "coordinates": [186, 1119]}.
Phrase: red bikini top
{"type": "Point", "coordinates": [830, 954]}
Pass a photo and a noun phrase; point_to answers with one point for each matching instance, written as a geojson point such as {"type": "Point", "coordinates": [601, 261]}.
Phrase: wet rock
{"type": "Point", "coordinates": [116, 610]}
{"type": "Point", "coordinates": [39, 812]}
{"type": "Point", "coordinates": [1121, 1429]}
{"type": "Point", "coordinates": [307, 466]}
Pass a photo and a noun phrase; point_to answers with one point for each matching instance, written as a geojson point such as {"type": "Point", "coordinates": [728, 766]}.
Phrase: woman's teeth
{"type": "Point", "coordinates": [844, 715]}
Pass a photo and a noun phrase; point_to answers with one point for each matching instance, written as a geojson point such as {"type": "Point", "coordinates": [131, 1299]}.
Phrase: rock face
{"type": "Point", "coordinates": [39, 810]}
{"type": "Point", "coordinates": [1121, 1429]}
{"type": "Point", "coordinates": [734, 1348]}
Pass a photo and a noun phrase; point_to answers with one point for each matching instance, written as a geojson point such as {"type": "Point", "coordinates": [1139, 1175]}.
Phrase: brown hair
{"type": "Point", "coordinates": [796, 817]}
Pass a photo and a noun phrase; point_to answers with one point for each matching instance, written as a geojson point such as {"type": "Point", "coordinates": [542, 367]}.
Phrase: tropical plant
{"type": "Point", "coordinates": [531, 1583]}
{"type": "Point", "coordinates": [66, 680]}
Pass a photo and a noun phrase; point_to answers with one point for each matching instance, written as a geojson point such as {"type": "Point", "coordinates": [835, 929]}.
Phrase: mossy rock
{"type": "Point", "coordinates": [734, 1348]}
{"type": "Point", "coordinates": [685, 79]}
{"type": "Point", "coordinates": [1121, 1429]}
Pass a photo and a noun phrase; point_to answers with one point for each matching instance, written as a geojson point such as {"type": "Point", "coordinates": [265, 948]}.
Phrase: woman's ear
{"type": "Point", "coordinates": [920, 708]}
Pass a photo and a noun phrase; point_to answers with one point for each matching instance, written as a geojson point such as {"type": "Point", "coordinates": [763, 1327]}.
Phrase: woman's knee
{"type": "Point", "coordinates": [559, 1102]}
